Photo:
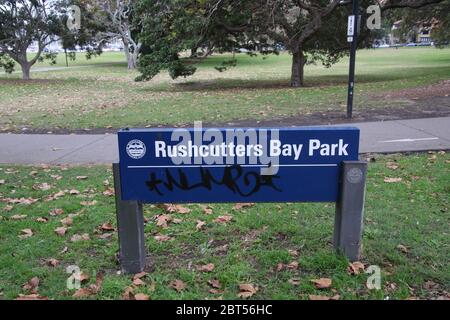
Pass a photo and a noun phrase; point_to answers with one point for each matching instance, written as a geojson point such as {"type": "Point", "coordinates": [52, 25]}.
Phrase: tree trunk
{"type": "Point", "coordinates": [25, 70]}
{"type": "Point", "coordinates": [194, 51]}
{"type": "Point", "coordinates": [132, 61]}
{"type": "Point", "coordinates": [297, 74]}
{"type": "Point", "coordinates": [132, 57]}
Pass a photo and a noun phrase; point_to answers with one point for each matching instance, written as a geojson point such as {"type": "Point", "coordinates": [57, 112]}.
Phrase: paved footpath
{"type": "Point", "coordinates": [376, 137]}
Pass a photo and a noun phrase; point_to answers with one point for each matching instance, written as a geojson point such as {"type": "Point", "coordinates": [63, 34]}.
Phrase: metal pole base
{"type": "Point", "coordinates": [350, 209]}
{"type": "Point", "coordinates": [130, 221]}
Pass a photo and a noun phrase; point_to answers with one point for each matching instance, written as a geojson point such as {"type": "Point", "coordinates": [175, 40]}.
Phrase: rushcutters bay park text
{"type": "Point", "coordinates": [234, 147]}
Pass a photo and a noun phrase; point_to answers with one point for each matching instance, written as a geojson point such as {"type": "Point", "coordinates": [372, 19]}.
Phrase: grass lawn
{"type": "Point", "coordinates": [406, 235]}
{"type": "Point", "coordinates": [101, 93]}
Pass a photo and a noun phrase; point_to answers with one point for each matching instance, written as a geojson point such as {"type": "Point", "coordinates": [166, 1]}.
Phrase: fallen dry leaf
{"type": "Point", "coordinates": [67, 221]}
{"type": "Point", "coordinates": [18, 217]}
{"type": "Point", "coordinates": [355, 268]}
{"type": "Point", "coordinates": [318, 298]}
{"type": "Point", "coordinates": [30, 297]}
{"type": "Point", "coordinates": [81, 276]}
{"type": "Point", "coordinates": [163, 220]}
{"type": "Point", "coordinates": [8, 208]}
{"type": "Point", "coordinates": [215, 291]}
{"type": "Point", "coordinates": [324, 298]}
{"type": "Point", "coordinates": [24, 201]}
{"type": "Point", "coordinates": [392, 180]}
{"type": "Point", "coordinates": [207, 210]}
{"type": "Point", "coordinates": [140, 275]}
{"type": "Point", "coordinates": [32, 285]}
{"type": "Point", "coordinates": [215, 283]}
{"type": "Point", "coordinates": [402, 248]}
{"type": "Point", "coordinates": [178, 285]}
{"type": "Point", "coordinates": [294, 281]}
{"type": "Point", "coordinates": [223, 219]}
{"type": "Point", "coordinates": [74, 192]}
{"type": "Point", "coordinates": [138, 282]}
{"type": "Point", "coordinates": [200, 224]}
{"type": "Point", "coordinates": [247, 290]}
{"type": "Point", "coordinates": [80, 237]}
{"type": "Point", "coordinates": [98, 282]}
{"type": "Point", "coordinates": [2, 181]}
{"type": "Point", "coordinates": [206, 268]}
{"type": "Point", "coordinates": [293, 253]}
{"type": "Point", "coordinates": [105, 236]}
{"type": "Point", "coordinates": [26, 233]}
{"type": "Point", "coordinates": [293, 265]}
{"type": "Point", "coordinates": [141, 296]}
{"type": "Point", "coordinates": [172, 208]}
{"type": "Point", "coordinates": [128, 294]}
{"type": "Point", "coordinates": [61, 231]}
{"type": "Point", "coordinates": [82, 177]}
{"type": "Point", "coordinates": [109, 192]}
{"type": "Point", "coordinates": [107, 227]}
{"type": "Point", "coordinates": [42, 220]}
{"type": "Point", "coordinates": [83, 293]}
{"type": "Point", "coordinates": [42, 186]}
{"type": "Point", "coordinates": [88, 203]}
{"type": "Point", "coordinates": [52, 262]}
{"type": "Point", "coordinates": [56, 212]}
{"type": "Point", "coordinates": [240, 206]}
{"type": "Point", "coordinates": [322, 283]}
{"type": "Point", "coordinates": [162, 238]}
{"type": "Point", "coordinates": [55, 196]}
{"type": "Point", "coordinates": [182, 210]}
{"type": "Point", "coordinates": [392, 165]}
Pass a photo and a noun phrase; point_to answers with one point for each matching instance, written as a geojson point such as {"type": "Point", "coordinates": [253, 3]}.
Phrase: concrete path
{"type": "Point", "coordinates": [46, 69]}
{"type": "Point", "coordinates": [376, 137]}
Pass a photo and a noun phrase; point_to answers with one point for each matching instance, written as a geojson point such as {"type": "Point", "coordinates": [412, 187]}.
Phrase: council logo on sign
{"type": "Point", "coordinates": [136, 149]}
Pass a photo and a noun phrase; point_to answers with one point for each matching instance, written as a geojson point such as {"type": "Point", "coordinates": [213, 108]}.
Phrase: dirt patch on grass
{"type": "Point", "coordinates": [21, 82]}
{"type": "Point", "coordinates": [441, 89]}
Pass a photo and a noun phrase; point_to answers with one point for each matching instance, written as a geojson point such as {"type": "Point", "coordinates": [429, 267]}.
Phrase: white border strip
{"type": "Point", "coordinates": [228, 165]}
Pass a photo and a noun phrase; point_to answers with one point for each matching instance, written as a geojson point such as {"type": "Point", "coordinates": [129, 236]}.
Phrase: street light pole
{"type": "Point", "coordinates": [353, 36]}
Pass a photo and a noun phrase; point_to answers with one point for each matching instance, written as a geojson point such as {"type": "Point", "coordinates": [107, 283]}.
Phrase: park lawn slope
{"type": "Point", "coordinates": [102, 93]}
{"type": "Point", "coordinates": [277, 248]}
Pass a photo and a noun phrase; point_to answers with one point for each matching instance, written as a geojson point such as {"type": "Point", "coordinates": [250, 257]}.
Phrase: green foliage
{"type": "Point", "coordinates": [226, 64]}
{"type": "Point", "coordinates": [169, 28]}
{"type": "Point", "coordinates": [50, 56]}
{"type": "Point", "coordinates": [436, 18]}
{"type": "Point", "coordinates": [6, 63]}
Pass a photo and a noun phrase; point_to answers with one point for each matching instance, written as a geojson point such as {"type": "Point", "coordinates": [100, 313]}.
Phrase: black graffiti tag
{"type": "Point", "coordinates": [243, 184]}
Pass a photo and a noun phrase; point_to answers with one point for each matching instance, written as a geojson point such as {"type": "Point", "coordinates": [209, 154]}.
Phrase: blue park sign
{"type": "Point", "coordinates": [234, 165]}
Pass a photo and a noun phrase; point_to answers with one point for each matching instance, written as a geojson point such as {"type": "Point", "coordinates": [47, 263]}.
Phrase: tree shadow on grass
{"type": "Point", "coordinates": [21, 82]}
{"type": "Point", "coordinates": [222, 84]}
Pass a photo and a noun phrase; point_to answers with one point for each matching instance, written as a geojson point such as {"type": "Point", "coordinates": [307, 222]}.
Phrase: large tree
{"type": "Point", "coordinates": [23, 23]}
{"type": "Point", "coordinates": [117, 17]}
{"type": "Point", "coordinates": [309, 30]}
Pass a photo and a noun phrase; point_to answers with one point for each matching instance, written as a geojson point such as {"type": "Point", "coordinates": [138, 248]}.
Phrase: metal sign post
{"type": "Point", "coordinates": [318, 164]}
{"type": "Point", "coordinates": [352, 36]}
